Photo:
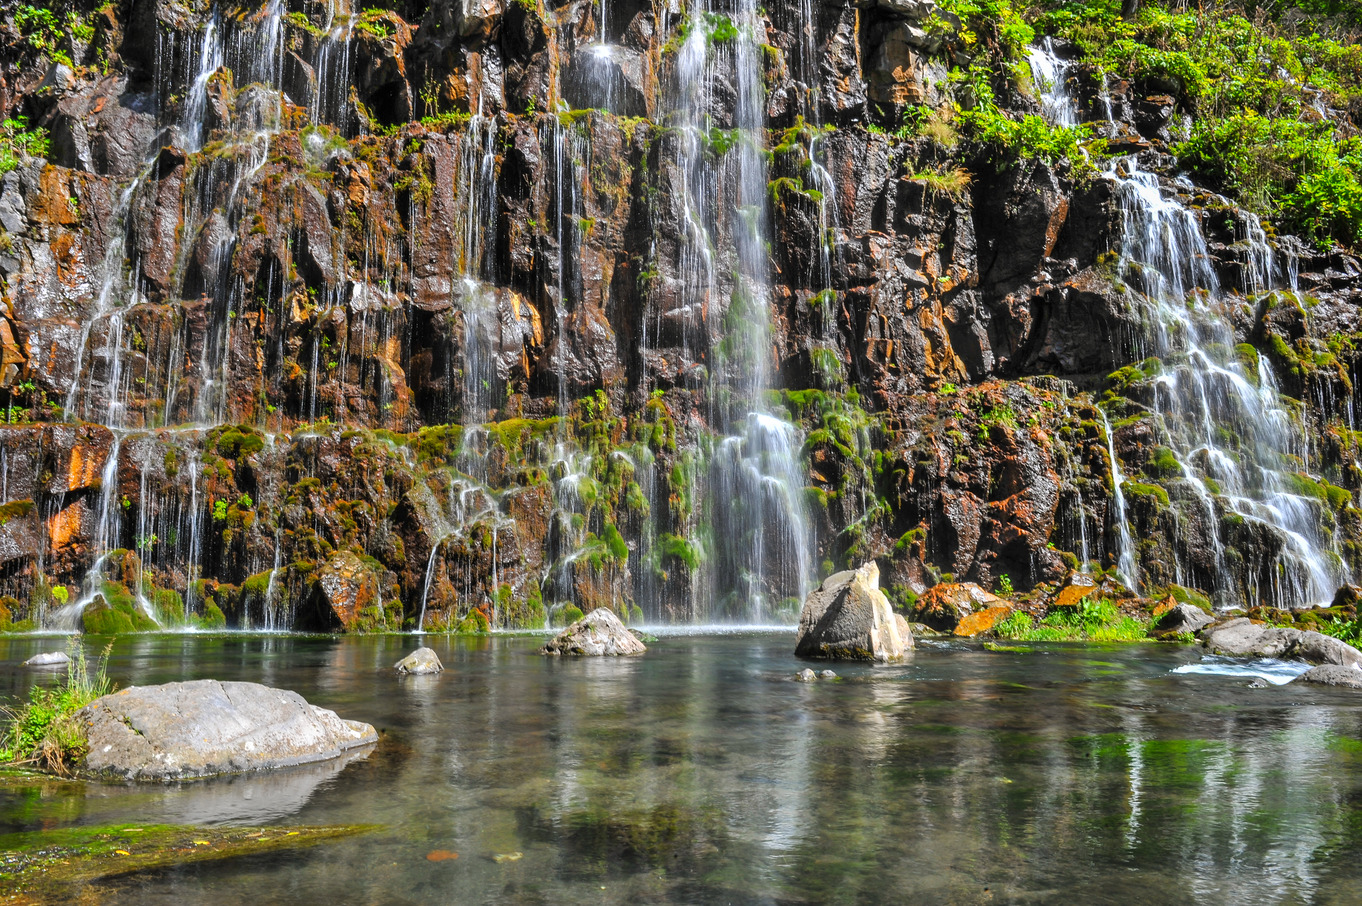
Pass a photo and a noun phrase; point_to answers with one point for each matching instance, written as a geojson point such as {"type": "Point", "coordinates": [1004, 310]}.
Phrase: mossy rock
{"type": "Point", "coordinates": [55, 865]}
{"type": "Point", "coordinates": [115, 615]}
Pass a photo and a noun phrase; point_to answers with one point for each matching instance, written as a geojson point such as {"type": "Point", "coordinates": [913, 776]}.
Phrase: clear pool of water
{"type": "Point", "coordinates": [702, 773]}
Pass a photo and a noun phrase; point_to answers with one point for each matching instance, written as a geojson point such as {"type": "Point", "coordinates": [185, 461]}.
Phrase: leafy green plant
{"type": "Point", "coordinates": [18, 141]}
{"type": "Point", "coordinates": [44, 731]}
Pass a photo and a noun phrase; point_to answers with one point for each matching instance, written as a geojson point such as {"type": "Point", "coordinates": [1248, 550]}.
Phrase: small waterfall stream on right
{"type": "Point", "coordinates": [1240, 452]}
{"type": "Point", "coordinates": [1230, 448]}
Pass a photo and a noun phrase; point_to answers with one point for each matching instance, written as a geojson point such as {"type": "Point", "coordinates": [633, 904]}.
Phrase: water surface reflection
{"type": "Point", "coordinates": [700, 773]}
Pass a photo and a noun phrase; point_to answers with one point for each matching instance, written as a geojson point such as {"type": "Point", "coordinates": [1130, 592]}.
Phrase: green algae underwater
{"type": "Point", "coordinates": [701, 772]}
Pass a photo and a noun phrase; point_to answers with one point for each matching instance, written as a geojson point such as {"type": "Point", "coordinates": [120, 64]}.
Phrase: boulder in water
{"type": "Point", "coordinates": [420, 662]}
{"type": "Point", "coordinates": [598, 633]}
{"type": "Point", "coordinates": [181, 731]}
{"type": "Point", "coordinates": [806, 676]}
{"type": "Point", "coordinates": [1332, 675]}
{"type": "Point", "coordinates": [48, 659]}
{"type": "Point", "coordinates": [1242, 637]}
{"type": "Point", "coordinates": [849, 618]}
{"type": "Point", "coordinates": [943, 606]}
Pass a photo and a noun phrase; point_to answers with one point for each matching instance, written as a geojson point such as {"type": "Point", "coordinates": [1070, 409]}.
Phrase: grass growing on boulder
{"type": "Point", "coordinates": [44, 731]}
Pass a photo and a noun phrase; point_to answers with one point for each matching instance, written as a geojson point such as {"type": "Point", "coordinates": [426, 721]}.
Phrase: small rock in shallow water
{"type": "Point", "coordinates": [828, 674]}
{"type": "Point", "coordinates": [420, 661]}
{"type": "Point", "coordinates": [806, 675]}
{"type": "Point", "coordinates": [598, 633]}
{"type": "Point", "coordinates": [48, 659]}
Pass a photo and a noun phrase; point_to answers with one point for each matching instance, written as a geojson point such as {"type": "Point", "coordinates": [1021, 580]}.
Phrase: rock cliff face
{"type": "Point", "coordinates": [359, 318]}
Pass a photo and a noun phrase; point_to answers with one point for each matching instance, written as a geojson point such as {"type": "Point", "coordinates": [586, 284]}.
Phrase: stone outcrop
{"type": "Point", "coordinates": [1332, 675]}
{"type": "Point", "coordinates": [848, 618]}
{"type": "Point", "coordinates": [599, 633]}
{"type": "Point", "coordinates": [420, 662]}
{"type": "Point", "coordinates": [182, 731]}
{"type": "Point", "coordinates": [1181, 619]}
{"type": "Point", "coordinates": [1241, 637]}
{"type": "Point", "coordinates": [943, 606]}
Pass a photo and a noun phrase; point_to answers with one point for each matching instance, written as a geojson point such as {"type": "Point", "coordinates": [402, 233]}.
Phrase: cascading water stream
{"type": "Point", "coordinates": [760, 555]}
{"type": "Point", "coordinates": [253, 50]}
{"type": "Point", "coordinates": [1222, 424]}
{"type": "Point", "coordinates": [1235, 444]}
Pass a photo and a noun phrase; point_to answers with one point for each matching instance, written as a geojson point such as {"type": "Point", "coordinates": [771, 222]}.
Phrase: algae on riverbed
{"type": "Point", "coordinates": [50, 866]}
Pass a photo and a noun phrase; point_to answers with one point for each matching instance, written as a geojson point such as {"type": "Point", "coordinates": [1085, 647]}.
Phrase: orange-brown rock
{"type": "Point", "coordinates": [943, 606]}
{"type": "Point", "coordinates": [983, 620]}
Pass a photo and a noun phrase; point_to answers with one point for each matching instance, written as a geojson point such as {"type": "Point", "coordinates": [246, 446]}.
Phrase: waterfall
{"type": "Point", "coordinates": [760, 552]}
{"type": "Point", "coordinates": [1051, 74]}
{"type": "Point", "coordinates": [1237, 448]}
{"type": "Point", "coordinates": [1126, 566]}
{"type": "Point", "coordinates": [1222, 425]}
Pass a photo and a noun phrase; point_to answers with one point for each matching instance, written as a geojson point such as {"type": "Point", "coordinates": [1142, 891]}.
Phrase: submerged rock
{"type": "Point", "coordinates": [48, 659]}
{"type": "Point", "coordinates": [849, 618]}
{"type": "Point", "coordinates": [1242, 637]}
{"type": "Point", "coordinates": [180, 731]}
{"type": "Point", "coordinates": [419, 662]}
{"type": "Point", "coordinates": [943, 606]}
{"type": "Point", "coordinates": [1332, 675]}
{"type": "Point", "coordinates": [598, 633]}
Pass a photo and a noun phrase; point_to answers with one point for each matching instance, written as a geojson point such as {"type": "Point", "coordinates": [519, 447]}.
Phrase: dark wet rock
{"type": "Point", "coordinates": [1332, 675]}
{"type": "Point", "coordinates": [848, 618]}
{"type": "Point", "coordinates": [1347, 596]}
{"type": "Point", "coordinates": [598, 633]}
{"type": "Point", "coordinates": [181, 731]}
{"type": "Point", "coordinates": [48, 659]}
{"type": "Point", "coordinates": [1181, 619]}
{"type": "Point", "coordinates": [420, 662]}
{"type": "Point", "coordinates": [1241, 637]}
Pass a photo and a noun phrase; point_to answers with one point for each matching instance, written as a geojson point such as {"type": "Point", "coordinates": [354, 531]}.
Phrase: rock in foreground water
{"type": "Point", "coordinates": [849, 618]}
{"type": "Point", "coordinates": [181, 731]}
{"type": "Point", "coordinates": [598, 633]}
{"type": "Point", "coordinates": [1242, 637]}
{"type": "Point", "coordinates": [48, 659]}
{"type": "Point", "coordinates": [419, 662]}
{"type": "Point", "coordinates": [1332, 675]}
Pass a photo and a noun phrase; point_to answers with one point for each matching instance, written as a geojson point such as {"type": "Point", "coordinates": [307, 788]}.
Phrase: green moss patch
{"type": "Point", "coordinates": [52, 865]}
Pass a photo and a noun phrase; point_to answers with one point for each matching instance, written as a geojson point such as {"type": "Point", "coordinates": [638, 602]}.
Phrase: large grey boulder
{"type": "Point", "coordinates": [849, 618]}
{"type": "Point", "coordinates": [419, 662]}
{"type": "Point", "coordinates": [598, 633]}
{"type": "Point", "coordinates": [1332, 675]}
{"type": "Point", "coordinates": [180, 731]}
{"type": "Point", "coordinates": [1242, 637]}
